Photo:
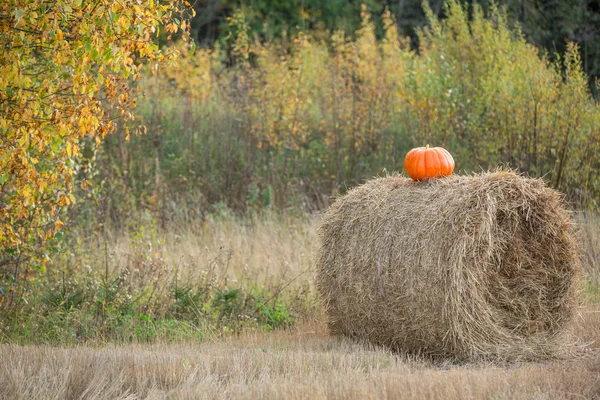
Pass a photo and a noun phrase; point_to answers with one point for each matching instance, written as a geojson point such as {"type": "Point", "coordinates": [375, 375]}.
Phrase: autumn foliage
{"type": "Point", "coordinates": [66, 72]}
{"type": "Point", "coordinates": [283, 123]}
{"type": "Point", "coordinates": [293, 121]}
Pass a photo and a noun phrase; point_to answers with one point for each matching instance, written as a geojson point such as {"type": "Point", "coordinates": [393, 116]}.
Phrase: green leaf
{"type": "Point", "coordinates": [19, 14]}
{"type": "Point", "coordinates": [107, 54]}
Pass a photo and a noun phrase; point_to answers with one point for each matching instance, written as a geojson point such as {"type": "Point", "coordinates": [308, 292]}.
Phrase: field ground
{"type": "Point", "coordinates": [47, 361]}
{"type": "Point", "coordinates": [301, 362]}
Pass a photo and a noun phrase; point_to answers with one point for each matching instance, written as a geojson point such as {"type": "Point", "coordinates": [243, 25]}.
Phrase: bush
{"type": "Point", "coordinates": [289, 126]}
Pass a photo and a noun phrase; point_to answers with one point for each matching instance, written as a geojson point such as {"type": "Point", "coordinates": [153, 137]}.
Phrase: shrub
{"type": "Point", "coordinates": [300, 121]}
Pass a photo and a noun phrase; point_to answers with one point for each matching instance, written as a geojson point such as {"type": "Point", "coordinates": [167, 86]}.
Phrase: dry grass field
{"type": "Point", "coordinates": [302, 362]}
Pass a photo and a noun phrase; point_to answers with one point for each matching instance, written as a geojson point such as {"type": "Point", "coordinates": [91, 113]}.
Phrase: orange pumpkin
{"type": "Point", "coordinates": [425, 162]}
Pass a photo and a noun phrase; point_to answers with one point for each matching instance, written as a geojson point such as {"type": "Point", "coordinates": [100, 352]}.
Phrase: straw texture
{"type": "Point", "coordinates": [470, 267]}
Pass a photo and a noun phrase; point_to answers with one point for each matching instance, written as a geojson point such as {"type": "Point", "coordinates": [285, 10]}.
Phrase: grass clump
{"type": "Point", "coordinates": [92, 311]}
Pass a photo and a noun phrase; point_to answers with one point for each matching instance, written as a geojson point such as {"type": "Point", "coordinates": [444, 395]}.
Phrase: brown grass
{"type": "Point", "coordinates": [479, 266]}
{"type": "Point", "coordinates": [303, 362]}
{"type": "Point", "coordinates": [271, 251]}
{"type": "Point", "coordinates": [589, 237]}
{"type": "Point", "coordinates": [300, 363]}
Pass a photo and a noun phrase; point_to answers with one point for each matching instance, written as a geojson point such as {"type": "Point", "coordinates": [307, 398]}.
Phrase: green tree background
{"type": "Point", "coordinates": [548, 24]}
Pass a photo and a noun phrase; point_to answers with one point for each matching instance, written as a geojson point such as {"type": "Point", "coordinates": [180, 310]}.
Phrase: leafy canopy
{"type": "Point", "coordinates": [66, 71]}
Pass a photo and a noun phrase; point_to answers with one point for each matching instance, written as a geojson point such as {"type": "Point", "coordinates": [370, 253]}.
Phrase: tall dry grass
{"type": "Point", "coordinates": [589, 237]}
{"type": "Point", "coordinates": [149, 284]}
{"type": "Point", "coordinates": [219, 276]}
{"type": "Point", "coordinates": [271, 251]}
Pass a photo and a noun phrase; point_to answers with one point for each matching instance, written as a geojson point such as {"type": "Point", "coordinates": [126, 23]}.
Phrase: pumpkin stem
{"type": "Point", "coordinates": [427, 146]}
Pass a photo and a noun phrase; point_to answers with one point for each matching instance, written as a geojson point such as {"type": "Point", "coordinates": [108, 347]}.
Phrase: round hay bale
{"type": "Point", "coordinates": [469, 267]}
